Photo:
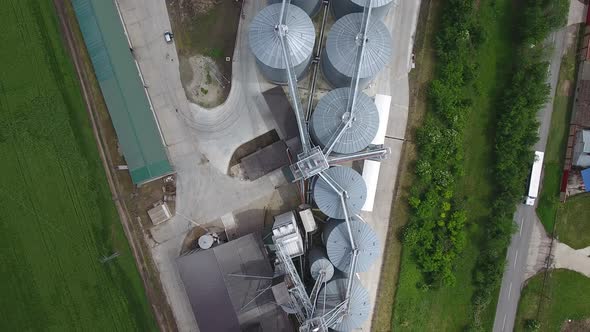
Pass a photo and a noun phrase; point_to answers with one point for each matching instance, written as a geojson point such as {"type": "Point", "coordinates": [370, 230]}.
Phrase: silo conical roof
{"type": "Point", "coordinates": [266, 45]}
{"type": "Point", "coordinates": [331, 113]}
{"type": "Point", "coordinates": [334, 293]}
{"type": "Point", "coordinates": [318, 262]}
{"type": "Point", "coordinates": [329, 201]}
{"type": "Point", "coordinates": [340, 54]}
{"type": "Point", "coordinates": [339, 248]}
{"type": "Point", "coordinates": [311, 7]}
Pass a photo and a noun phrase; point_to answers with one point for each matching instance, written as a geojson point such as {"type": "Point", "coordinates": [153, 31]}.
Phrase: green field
{"type": "Point", "coordinates": [57, 218]}
{"type": "Point", "coordinates": [573, 228]}
{"type": "Point", "coordinates": [557, 141]}
{"type": "Point", "coordinates": [449, 309]}
{"type": "Point", "coordinates": [563, 298]}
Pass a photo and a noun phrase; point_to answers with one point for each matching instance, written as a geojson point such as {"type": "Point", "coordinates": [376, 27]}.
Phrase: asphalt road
{"type": "Point", "coordinates": [525, 216]}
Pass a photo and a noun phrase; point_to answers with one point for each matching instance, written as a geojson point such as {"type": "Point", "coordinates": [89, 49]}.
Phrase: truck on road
{"type": "Point", "coordinates": [535, 178]}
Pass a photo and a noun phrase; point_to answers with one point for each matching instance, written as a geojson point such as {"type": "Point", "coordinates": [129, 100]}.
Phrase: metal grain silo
{"type": "Point", "coordinates": [334, 293]}
{"type": "Point", "coordinates": [331, 113]}
{"type": "Point", "coordinates": [339, 249]}
{"type": "Point", "coordinates": [345, 7]}
{"type": "Point", "coordinates": [318, 262]}
{"type": "Point", "coordinates": [266, 45]}
{"type": "Point", "coordinates": [311, 7]}
{"type": "Point", "coordinates": [328, 201]}
{"type": "Point", "coordinates": [339, 56]}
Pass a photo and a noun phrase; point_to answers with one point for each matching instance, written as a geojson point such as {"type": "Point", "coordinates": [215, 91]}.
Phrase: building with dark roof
{"type": "Point", "coordinates": [229, 287]}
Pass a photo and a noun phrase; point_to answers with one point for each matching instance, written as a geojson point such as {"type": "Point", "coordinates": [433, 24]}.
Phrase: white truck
{"type": "Point", "coordinates": [535, 178]}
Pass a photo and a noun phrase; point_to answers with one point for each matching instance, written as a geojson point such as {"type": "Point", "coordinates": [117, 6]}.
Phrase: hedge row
{"type": "Point", "coordinates": [435, 234]}
{"type": "Point", "coordinates": [516, 133]}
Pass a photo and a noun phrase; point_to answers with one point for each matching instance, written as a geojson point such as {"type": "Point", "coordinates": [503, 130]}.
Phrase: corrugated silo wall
{"type": "Point", "coordinates": [334, 77]}
{"type": "Point", "coordinates": [345, 7]}
{"type": "Point", "coordinates": [311, 7]}
{"type": "Point", "coordinates": [279, 76]}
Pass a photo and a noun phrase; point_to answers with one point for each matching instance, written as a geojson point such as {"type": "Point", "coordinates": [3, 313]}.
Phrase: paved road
{"type": "Point", "coordinates": [525, 216]}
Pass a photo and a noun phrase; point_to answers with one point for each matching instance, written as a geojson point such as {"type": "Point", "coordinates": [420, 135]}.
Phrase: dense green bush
{"type": "Point", "coordinates": [436, 231]}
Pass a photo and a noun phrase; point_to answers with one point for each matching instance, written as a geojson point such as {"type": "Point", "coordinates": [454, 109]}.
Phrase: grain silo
{"type": "Point", "coordinates": [339, 249]}
{"type": "Point", "coordinates": [335, 293]}
{"type": "Point", "coordinates": [331, 113]}
{"type": "Point", "coordinates": [328, 200]}
{"type": "Point", "coordinates": [339, 56]}
{"type": "Point", "coordinates": [311, 7]}
{"type": "Point", "coordinates": [318, 263]}
{"type": "Point", "coordinates": [266, 45]}
{"type": "Point", "coordinates": [345, 7]}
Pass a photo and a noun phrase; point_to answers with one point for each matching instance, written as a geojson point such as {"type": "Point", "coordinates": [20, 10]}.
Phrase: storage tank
{"type": "Point", "coordinates": [206, 241]}
{"type": "Point", "coordinates": [330, 114]}
{"type": "Point", "coordinates": [335, 293]}
{"type": "Point", "coordinates": [328, 201]}
{"type": "Point", "coordinates": [318, 262]}
{"type": "Point", "coordinates": [345, 7]}
{"type": "Point", "coordinates": [311, 7]}
{"type": "Point", "coordinates": [339, 56]}
{"type": "Point", "coordinates": [266, 45]}
{"type": "Point", "coordinates": [339, 249]}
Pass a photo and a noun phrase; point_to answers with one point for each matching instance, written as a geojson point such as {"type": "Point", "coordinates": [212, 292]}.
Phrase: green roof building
{"type": "Point", "coordinates": [138, 134]}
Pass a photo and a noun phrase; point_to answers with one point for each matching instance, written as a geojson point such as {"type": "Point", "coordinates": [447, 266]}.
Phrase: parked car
{"type": "Point", "coordinates": [168, 36]}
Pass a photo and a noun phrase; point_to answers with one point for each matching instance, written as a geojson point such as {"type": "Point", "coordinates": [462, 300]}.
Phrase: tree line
{"type": "Point", "coordinates": [516, 133]}
{"type": "Point", "coordinates": [435, 233]}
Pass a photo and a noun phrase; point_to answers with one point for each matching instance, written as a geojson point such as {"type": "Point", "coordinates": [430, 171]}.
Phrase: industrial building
{"type": "Point", "coordinates": [229, 287]}
{"type": "Point", "coordinates": [129, 107]}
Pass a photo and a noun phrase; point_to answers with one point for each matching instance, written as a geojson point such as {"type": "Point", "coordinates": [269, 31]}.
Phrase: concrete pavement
{"type": "Point", "coordinates": [393, 80]}
{"type": "Point", "coordinates": [525, 217]}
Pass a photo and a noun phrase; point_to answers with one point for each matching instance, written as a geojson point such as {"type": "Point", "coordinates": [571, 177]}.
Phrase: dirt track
{"type": "Point", "coordinates": [133, 231]}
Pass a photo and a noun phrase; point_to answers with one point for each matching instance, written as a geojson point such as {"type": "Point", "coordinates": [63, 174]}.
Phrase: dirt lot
{"type": "Point", "coordinates": [205, 34]}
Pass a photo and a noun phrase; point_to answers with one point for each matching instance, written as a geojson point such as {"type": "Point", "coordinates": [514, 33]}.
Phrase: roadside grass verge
{"type": "Point", "coordinates": [573, 227]}
{"type": "Point", "coordinates": [58, 219]}
{"type": "Point", "coordinates": [562, 299]}
{"type": "Point", "coordinates": [557, 141]}
{"type": "Point", "coordinates": [418, 307]}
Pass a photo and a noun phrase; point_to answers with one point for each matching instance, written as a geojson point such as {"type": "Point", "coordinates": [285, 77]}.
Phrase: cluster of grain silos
{"type": "Point", "coordinates": [337, 185]}
{"type": "Point", "coordinates": [339, 56]}
{"type": "Point", "coordinates": [266, 45]}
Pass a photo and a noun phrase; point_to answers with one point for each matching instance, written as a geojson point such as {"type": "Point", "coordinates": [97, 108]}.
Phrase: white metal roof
{"type": "Point", "coordinates": [264, 38]}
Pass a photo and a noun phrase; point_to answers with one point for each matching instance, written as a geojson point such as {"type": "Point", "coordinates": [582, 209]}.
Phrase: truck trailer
{"type": "Point", "coordinates": [535, 178]}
